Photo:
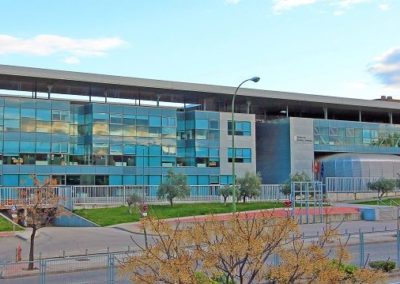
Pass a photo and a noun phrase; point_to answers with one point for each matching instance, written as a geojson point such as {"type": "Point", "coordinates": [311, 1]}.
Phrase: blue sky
{"type": "Point", "coordinates": [348, 48]}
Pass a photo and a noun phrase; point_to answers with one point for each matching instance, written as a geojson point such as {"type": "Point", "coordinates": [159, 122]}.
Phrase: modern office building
{"type": "Point", "coordinates": [85, 128]}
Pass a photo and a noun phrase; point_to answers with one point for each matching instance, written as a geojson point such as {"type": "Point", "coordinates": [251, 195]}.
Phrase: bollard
{"type": "Point", "coordinates": [362, 250]}
{"type": "Point", "coordinates": [18, 253]}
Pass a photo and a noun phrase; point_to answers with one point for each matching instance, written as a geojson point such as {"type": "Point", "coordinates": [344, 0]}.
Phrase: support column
{"type": "Point", "coordinates": [105, 96]}
{"type": "Point", "coordinates": [90, 93]}
{"type": "Point", "coordinates": [49, 88]}
{"type": "Point", "coordinates": [248, 106]}
{"type": "Point", "coordinates": [158, 100]}
{"type": "Point", "coordinates": [325, 113]}
{"type": "Point", "coordinates": [390, 117]}
{"type": "Point", "coordinates": [359, 116]}
{"type": "Point", "coordinates": [287, 111]}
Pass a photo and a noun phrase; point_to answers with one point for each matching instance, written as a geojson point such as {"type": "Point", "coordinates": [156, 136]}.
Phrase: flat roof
{"type": "Point", "coordinates": [176, 91]}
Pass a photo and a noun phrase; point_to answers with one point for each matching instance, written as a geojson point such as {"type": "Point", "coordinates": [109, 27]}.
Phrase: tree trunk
{"type": "Point", "coordinates": [31, 249]}
{"type": "Point", "coordinates": [225, 197]}
{"type": "Point", "coordinates": [170, 202]}
{"type": "Point", "coordinates": [244, 198]}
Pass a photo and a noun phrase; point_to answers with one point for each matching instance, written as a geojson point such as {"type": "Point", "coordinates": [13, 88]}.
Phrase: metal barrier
{"type": "Point", "coordinates": [70, 196]}
{"type": "Point", "coordinates": [349, 184]}
{"type": "Point", "coordinates": [103, 267]}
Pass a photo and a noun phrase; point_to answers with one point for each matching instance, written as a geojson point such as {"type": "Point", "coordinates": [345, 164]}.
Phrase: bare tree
{"type": "Point", "coordinates": [41, 209]}
{"type": "Point", "coordinates": [238, 250]}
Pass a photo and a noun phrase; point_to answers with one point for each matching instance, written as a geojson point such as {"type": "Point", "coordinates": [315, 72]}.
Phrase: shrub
{"type": "Point", "coordinates": [384, 265]}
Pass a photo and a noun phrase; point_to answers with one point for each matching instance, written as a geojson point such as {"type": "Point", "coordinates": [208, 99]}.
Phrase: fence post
{"type": "Point", "coordinates": [362, 250]}
{"type": "Point", "coordinates": [110, 268]}
{"type": "Point", "coordinates": [42, 268]}
{"type": "Point", "coordinates": [124, 201]}
{"type": "Point", "coordinates": [398, 247]}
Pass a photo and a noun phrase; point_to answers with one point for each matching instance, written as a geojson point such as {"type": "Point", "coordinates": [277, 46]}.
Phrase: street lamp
{"type": "Point", "coordinates": [255, 80]}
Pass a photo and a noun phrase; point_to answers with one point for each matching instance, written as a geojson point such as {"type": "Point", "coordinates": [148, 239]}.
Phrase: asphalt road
{"type": "Point", "coordinates": [75, 241]}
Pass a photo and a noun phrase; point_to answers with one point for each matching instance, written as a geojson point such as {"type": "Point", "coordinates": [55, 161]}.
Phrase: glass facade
{"type": "Point", "coordinates": [242, 155]}
{"type": "Point", "coordinates": [242, 128]}
{"type": "Point", "coordinates": [97, 143]}
{"type": "Point", "coordinates": [358, 137]}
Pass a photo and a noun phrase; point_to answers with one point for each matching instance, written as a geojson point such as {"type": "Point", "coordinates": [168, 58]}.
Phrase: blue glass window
{"type": "Point", "coordinates": [129, 149]}
{"type": "Point", "coordinates": [116, 149]}
{"type": "Point", "coordinates": [203, 180]}
{"type": "Point", "coordinates": [155, 150]}
{"type": "Point", "coordinates": [11, 113]}
{"type": "Point", "coordinates": [10, 180]}
{"type": "Point", "coordinates": [242, 128]}
{"type": "Point", "coordinates": [115, 180]}
{"type": "Point", "coordinates": [28, 112]}
{"type": "Point", "coordinates": [214, 152]}
{"type": "Point", "coordinates": [155, 161]}
{"type": "Point", "coordinates": [242, 155]}
{"type": "Point", "coordinates": [42, 147]}
{"type": "Point", "coordinates": [43, 114]}
{"type": "Point", "coordinates": [27, 147]}
{"type": "Point", "coordinates": [11, 125]}
{"type": "Point", "coordinates": [129, 180]}
{"type": "Point", "coordinates": [214, 124]}
{"type": "Point", "coordinates": [154, 180]}
{"type": "Point", "coordinates": [201, 123]}
{"type": "Point", "coordinates": [129, 119]}
{"type": "Point", "coordinates": [154, 120]}
{"type": "Point", "coordinates": [11, 147]}
{"type": "Point", "coordinates": [100, 117]}
{"type": "Point", "coordinates": [201, 152]}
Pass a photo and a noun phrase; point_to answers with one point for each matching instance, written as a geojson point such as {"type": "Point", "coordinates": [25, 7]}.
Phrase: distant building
{"type": "Point", "coordinates": [89, 129]}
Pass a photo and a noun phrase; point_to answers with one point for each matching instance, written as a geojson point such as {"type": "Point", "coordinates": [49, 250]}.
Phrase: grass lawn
{"type": "Point", "coordinates": [5, 225]}
{"type": "Point", "coordinates": [383, 202]}
{"type": "Point", "coordinates": [118, 215]}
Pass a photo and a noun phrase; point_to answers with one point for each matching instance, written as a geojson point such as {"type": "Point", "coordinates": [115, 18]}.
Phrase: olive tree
{"type": "Point", "coordinates": [133, 199]}
{"type": "Point", "coordinates": [226, 191]}
{"type": "Point", "coordinates": [382, 186]}
{"type": "Point", "coordinates": [175, 185]}
{"type": "Point", "coordinates": [249, 185]}
{"type": "Point", "coordinates": [297, 177]}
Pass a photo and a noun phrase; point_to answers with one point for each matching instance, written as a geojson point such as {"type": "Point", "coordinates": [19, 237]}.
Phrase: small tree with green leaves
{"type": "Point", "coordinates": [175, 185]}
{"type": "Point", "coordinates": [249, 186]}
{"type": "Point", "coordinates": [382, 186]}
{"type": "Point", "coordinates": [226, 191]}
{"type": "Point", "coordinates": [133, 200]}
{"type": "Point", "coordinates": [297, 177]}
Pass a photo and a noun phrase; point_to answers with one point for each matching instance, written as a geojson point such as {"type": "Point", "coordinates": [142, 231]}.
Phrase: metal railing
{"type": "Point", "coordinates": [71, 196]}
{"type": "Point", "coordinates": [103, 267]}
{"type": "Point", "coordinates": [349, 184]}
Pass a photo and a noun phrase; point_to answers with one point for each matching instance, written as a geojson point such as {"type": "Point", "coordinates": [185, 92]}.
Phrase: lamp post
{"type": "Point", "coordinates": [255, 80]}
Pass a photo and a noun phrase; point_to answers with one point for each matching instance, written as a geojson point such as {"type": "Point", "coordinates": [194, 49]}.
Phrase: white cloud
{"type": "Point", "coordinates": [339, 6]}
{"type": "Point", "coordinates": [45, 45]}
{"type": "Point", "coordinates": [72, 60]}
{"type": "Point", "coordinates": [282, 5]}
{"type": "Point", "coordinates": [234, 2]}
{"type": "Point", "coordinates": [384, 7]}
{"type": "Point", "coordinates": [387, 68]}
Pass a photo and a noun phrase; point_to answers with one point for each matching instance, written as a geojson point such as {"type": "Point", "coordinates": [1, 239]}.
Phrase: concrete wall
{"type": "Point", "coordinates": [240, 142]}
{"type": "Point", "coordinates": [273, 150]}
